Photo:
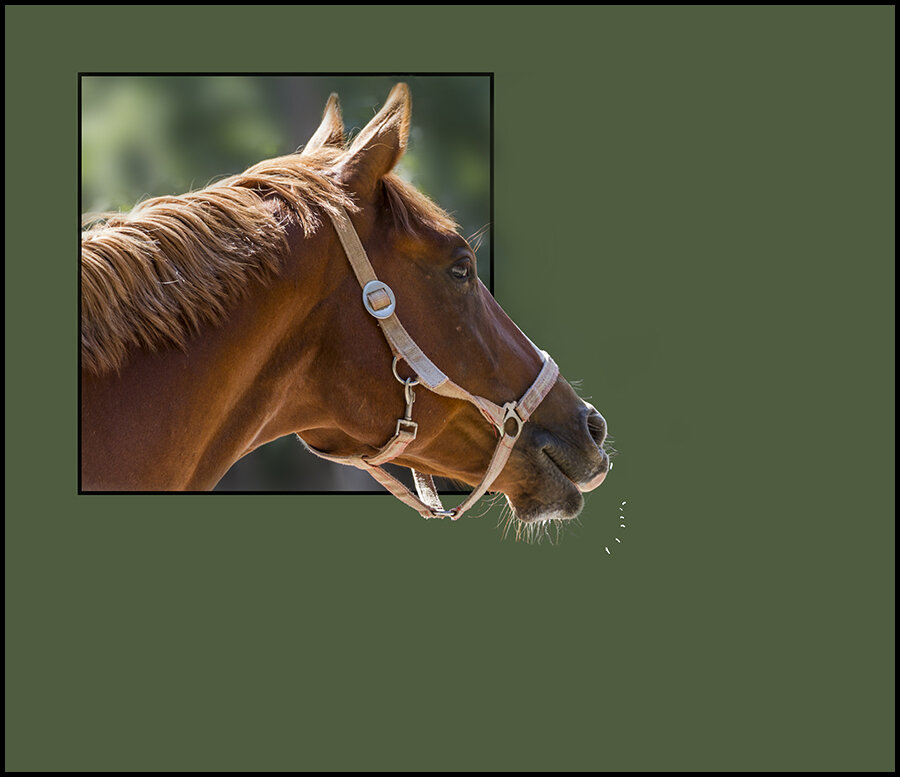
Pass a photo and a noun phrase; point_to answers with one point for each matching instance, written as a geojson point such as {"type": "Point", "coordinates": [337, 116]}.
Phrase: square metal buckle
{"type": "Point", "coordinates": [406, 426]}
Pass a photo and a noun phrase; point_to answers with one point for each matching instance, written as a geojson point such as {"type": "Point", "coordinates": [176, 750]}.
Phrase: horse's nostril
{"type": "Point", "coordinates": [596, 424]}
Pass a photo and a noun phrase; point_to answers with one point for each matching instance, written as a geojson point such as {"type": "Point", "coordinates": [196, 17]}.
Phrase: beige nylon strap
{"type": "Point", "coordinates": [380, 304]}
{"type": "Point", "coordinates": [405, 434]}
{"type": "Point", "coordinates": [427, 492]}
{"type": "Point", "coordinates": [426, 510]}
{"type": "Point", "coordinates": [399, 339]}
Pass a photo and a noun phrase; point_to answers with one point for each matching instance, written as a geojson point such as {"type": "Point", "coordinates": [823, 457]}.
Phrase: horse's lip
{"type": "Point", "coordinates": [593, 482]}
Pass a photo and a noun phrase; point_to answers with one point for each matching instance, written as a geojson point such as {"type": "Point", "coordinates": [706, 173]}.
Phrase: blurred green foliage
{"type": "Point", "coordinates": [146, 136]}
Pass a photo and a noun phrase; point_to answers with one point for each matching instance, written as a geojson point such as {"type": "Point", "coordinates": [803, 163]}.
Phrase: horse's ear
{"type": "Point", "coordinates": [381, 143]}
{"type": "Point", "coordinates": [331, 130]}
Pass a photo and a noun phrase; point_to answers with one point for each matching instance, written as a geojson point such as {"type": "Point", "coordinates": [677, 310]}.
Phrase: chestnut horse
{"type": "Point", "coordinates": [217, 321]}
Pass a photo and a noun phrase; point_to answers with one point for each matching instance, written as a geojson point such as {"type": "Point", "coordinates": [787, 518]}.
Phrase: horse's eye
{"type": "Point", "coordinates": [462, 270]}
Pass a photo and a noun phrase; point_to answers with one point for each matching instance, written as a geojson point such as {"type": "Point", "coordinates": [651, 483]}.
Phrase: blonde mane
{"type": "Point", "coordinates": [151, 277]}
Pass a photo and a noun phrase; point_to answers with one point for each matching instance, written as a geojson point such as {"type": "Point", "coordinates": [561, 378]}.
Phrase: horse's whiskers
{"type": "Point", "coordinates": [491, 501]}
{"type": "Point", "coordinates": [608, 447]}
{"type": "Point", "coordinates": [530, 532]}
{"type": "Point", "coordinates": [477, 238]}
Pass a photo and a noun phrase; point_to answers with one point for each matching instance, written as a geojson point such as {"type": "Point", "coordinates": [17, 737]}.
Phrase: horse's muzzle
{"type": "Point", "coordinates": [559, 463]}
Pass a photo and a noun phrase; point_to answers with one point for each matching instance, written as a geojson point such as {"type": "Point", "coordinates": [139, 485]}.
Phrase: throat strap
{"type": "Point", "coordinates": [508, 419]}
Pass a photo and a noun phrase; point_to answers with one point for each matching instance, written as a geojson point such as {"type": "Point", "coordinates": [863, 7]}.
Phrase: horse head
{"type": "Point", "coordinates": [319, 294]}
{"type": "Point", "coordinates": [431, 346]}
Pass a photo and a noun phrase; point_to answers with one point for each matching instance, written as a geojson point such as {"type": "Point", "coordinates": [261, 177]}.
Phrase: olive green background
{"type": "Point", "coordinates": [694, 215]}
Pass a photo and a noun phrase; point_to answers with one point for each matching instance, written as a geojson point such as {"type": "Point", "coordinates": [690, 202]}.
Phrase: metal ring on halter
{"type": "Point", "coordinates": [405, 381]}
{"type": "Point", "coordinates": [511, 414]}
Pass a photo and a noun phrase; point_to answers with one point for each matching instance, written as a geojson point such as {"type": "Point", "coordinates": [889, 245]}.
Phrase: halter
{"type": "Point", "coordinates": [379, 301]}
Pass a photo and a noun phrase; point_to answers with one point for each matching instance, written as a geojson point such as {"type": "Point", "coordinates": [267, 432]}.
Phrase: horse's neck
{"type": "Point", "coordinates": [177, 420]}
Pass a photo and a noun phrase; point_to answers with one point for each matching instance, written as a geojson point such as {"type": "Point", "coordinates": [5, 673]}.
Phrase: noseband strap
{"type": "Point", "coordinates": [508, 419]}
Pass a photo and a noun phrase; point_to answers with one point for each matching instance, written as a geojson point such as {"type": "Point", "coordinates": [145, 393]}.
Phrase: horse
{"type": "Point", "coordinates": [319, 294]}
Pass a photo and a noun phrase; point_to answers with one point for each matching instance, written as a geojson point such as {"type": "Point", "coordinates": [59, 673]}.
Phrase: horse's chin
{"type": "Point", "coordinates": [538, 508]}
{"type": "Point", "coordinates": [532, 521]}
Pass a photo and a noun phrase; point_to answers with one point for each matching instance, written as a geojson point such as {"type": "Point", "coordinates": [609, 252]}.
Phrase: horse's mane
{"type": "Point", "coordinates": [151, 277]}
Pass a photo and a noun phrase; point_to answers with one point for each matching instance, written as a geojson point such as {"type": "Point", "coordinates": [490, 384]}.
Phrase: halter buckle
{"type": "Point", "coordinates": [379, 299]}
